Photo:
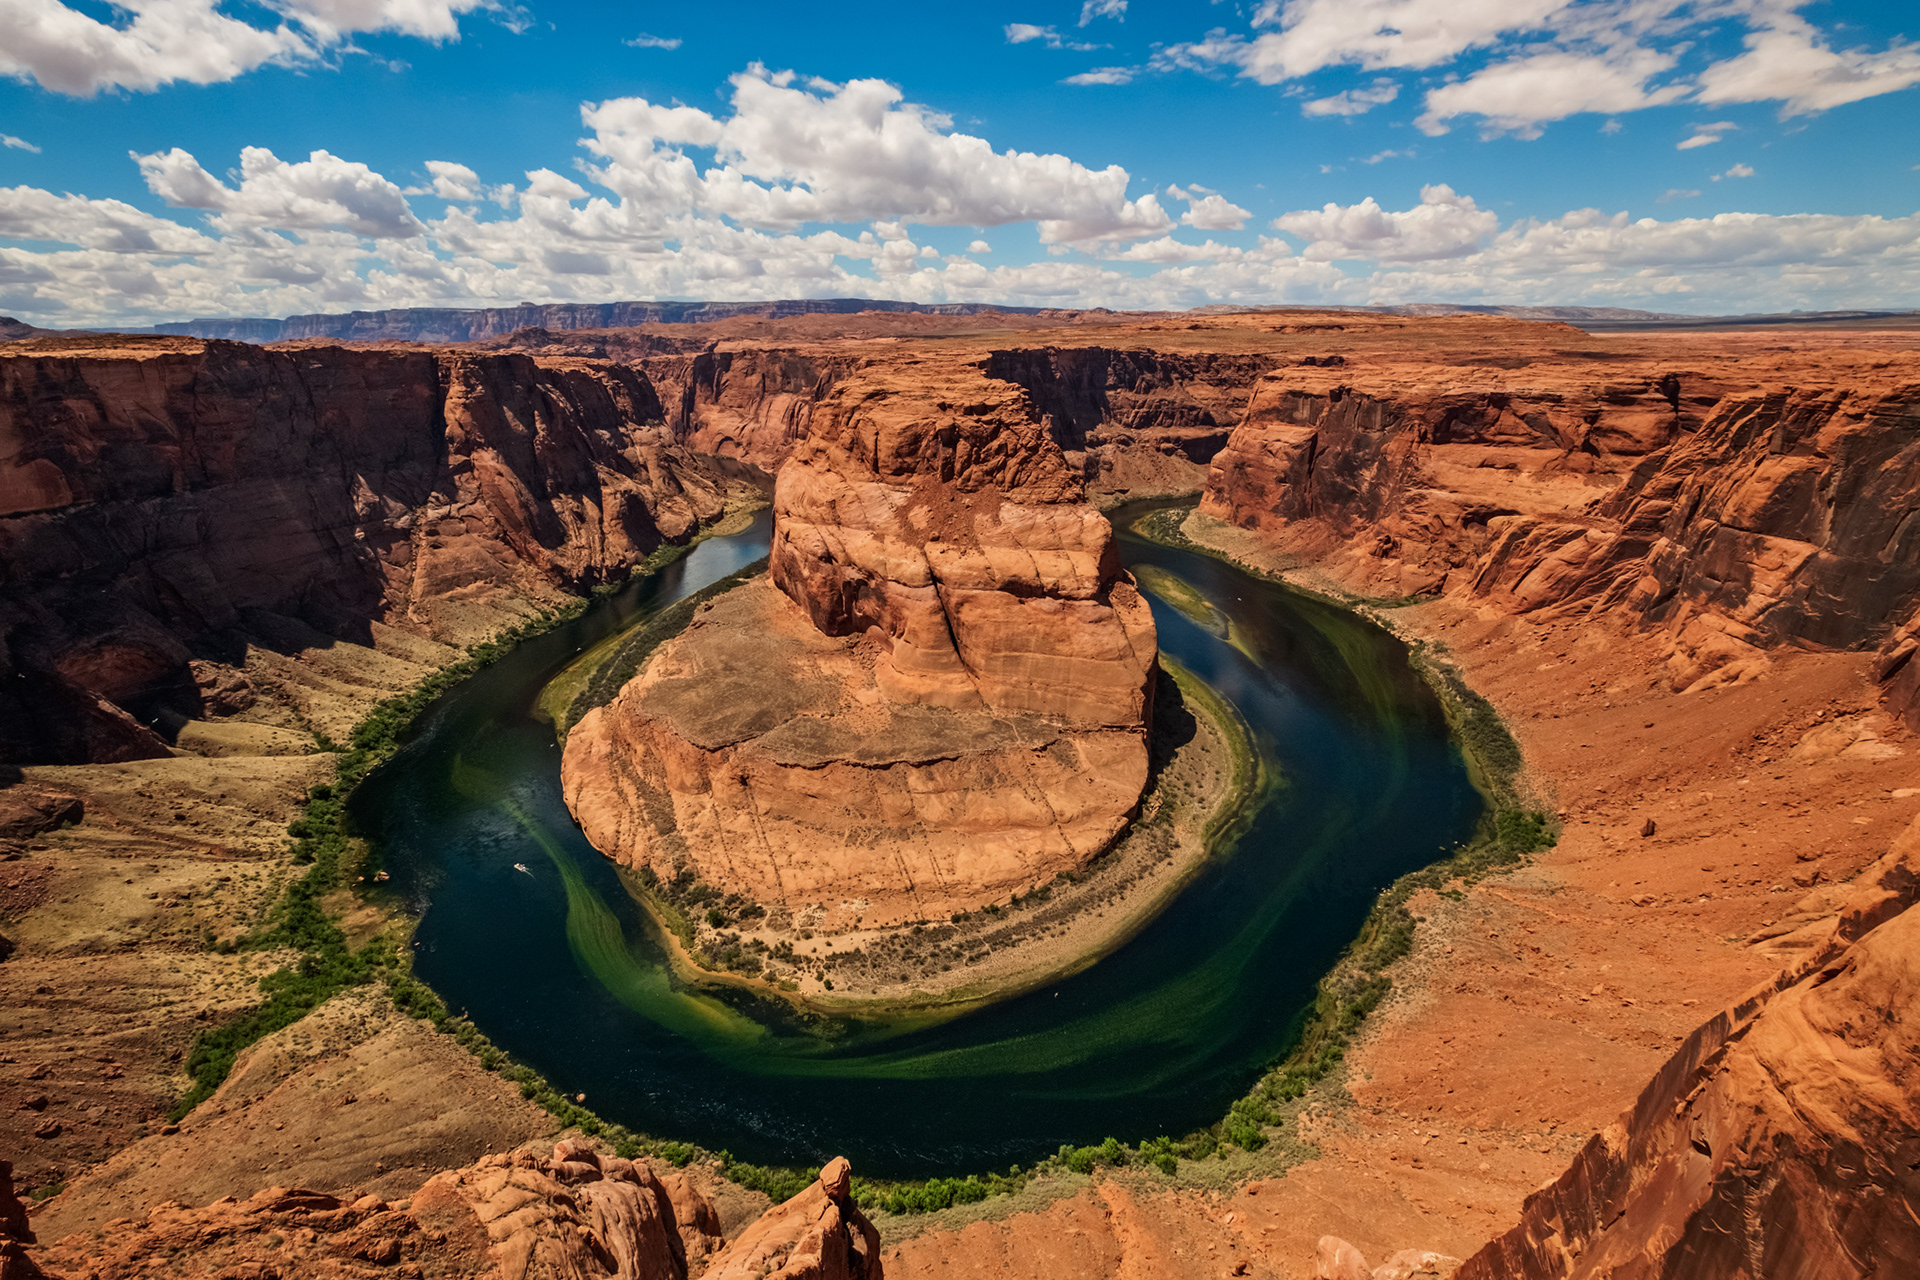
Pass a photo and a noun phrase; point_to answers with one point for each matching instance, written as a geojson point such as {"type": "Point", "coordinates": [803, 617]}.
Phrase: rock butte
{"type": "Point", "coordinates": [1680, 565]}
{"type": "Point", "coordinates": [944, 701]}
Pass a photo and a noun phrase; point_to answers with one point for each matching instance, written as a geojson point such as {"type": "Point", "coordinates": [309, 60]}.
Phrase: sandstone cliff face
{"type": "Point", "coordinates": [1736, 521]}
{"type": "Point", "coordinates": [944, 702]}
{"type": "Point", "coordinates": [1135, 419]}
{"type": "Point", "coordinates": [1782, 1139]}
{"type": "Point", "coordinates": [157, 496]}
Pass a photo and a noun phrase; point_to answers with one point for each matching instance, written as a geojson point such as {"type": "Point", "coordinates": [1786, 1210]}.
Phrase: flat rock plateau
{"type": "Point", "coordinates": [1681, 1042]}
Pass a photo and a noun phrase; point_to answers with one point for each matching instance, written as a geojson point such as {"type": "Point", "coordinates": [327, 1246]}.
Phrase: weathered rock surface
{"type": "Point", "coordinates": [1753, 505]}
{"type": "Point", "coordinates": [573, 1215]}
{"type": "Point", "coordinates": [818, 1235]}
{"type": "Point", "coordinates": [1783, 1138]}
{"type": "Point", "coordinates": [953, 704]}
{"type": "Point", "coordinates": [163, 501]}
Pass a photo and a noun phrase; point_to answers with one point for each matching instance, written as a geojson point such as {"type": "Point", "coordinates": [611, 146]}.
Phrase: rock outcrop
{"type": "Point", "coordinates": [944, 701]}
{"type": "Point", "coordinates": [574, 1214]}
{"type": "Point", "coordinates": [818, 1235]}
{"type": "Point", "coordinates": [1781, 1139]}
{"type": "Point", "coordinates": [163, 502]}
{"type": "Point", "coordinates": [1735, 520]}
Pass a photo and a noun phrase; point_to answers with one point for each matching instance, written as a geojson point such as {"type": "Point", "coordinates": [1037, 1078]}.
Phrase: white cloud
{"type": "Point", "coordinates": [1549, 59]}
{"type": "Point", "coordinates": [1788, 60]}
{"type": "Point", "coordinates": [1443, 225]}
{"type": "Point", "coordinates": [165, 41]}
{"type": "Point", "coordinates": [1209, 210]}
{"type": "Point", "coordinates": [979, 246]}
{"type": "Point", "coordinates": [112, 226]}
{"type": "Point", "coordinates": [1677, 193]}
{"type": "Point", "coordinates": [1388, 154]}
{"type": "Point", "coordinates": [322, 192]}
{"type": "Point", "coordinates": [645, 41]}
{"type": "Point", "coordinates": [849, 153]}
{"type": "Point", "coordinates": [1352, 102]}
{"type": "Point", "coordinates": [1102, 75]}
{"type": "Point", "coordinates": [1519, 95]}
{"type": "Point", "coordinates": [457, 182]}
{"type": "Point", "coordinates": [1705, 135]}
{"type": "Point", "coordinates": [1027, 32]}
{"type": "Point", "coordinates": [1091, 9]}
{"type": "Point", "coordinates": [1373, 34]}
{"type": "Point", "coordinates": [12, 143]}
{"type": "Point", "coordinates": [1738, 171]}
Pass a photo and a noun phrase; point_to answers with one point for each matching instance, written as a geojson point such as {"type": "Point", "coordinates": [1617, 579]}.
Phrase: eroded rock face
{"type": "Point", "coordinates": [573, 1215]}
{"type": "Point", "coordinates": [157, 496]}
{"type": "Point", "coordinates": [941, 699]}
{"type": "Point", "coordinates": [1735, 521]}
{"type": "Point", "coordinates": [818, 1235]}
{"type": "Point", "coordinates": [1783, 1138]}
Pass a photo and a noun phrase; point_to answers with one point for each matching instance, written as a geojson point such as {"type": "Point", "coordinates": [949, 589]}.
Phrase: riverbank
{"type": "Point", "coordinates": [1206, 773]}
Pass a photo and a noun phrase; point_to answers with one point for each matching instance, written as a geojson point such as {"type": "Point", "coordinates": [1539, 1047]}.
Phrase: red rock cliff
{"type": "Point", "coordinates": [1734, 520]}
{"type": "Point", "coordinates": [155, 495]}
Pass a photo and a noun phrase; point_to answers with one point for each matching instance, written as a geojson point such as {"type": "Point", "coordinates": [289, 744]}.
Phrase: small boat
{"type": "Point", "coordinates": [521, 866]}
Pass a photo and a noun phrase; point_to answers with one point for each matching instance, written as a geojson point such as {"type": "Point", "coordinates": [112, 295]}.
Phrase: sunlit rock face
{"type": "Point", "coordinates": [939, 696]}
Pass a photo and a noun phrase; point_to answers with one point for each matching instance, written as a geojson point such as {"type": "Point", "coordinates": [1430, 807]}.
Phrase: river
{"type": "Point", "coordinates": [556, 965]}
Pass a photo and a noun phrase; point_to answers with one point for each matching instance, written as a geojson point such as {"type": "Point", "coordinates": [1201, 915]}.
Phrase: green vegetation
{"type": "Point", "coordinates": [1185, 598]}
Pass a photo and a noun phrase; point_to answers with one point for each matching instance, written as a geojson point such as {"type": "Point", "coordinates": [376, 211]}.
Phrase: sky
{"type": "Point", "coordinates": [169, 159]}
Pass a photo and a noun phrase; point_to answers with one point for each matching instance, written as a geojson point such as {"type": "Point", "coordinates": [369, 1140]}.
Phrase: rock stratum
{"type": "Point", "coordinates": [940, 699]}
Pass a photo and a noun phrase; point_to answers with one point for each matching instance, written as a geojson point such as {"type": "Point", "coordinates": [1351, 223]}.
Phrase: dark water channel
{"type": "Point", "coordinates": [555, 964]}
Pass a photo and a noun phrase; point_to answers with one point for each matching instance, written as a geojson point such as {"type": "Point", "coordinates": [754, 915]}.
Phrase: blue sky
{"type": "Point", "coordinates": [185, 158]}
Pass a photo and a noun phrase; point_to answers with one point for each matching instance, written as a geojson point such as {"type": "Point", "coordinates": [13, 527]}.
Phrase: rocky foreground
{"type": "Point", "coordinates": [1681, 568]}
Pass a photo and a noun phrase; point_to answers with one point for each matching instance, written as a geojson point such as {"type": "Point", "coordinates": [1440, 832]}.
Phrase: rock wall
{"type": "Point", "coordinates": [1781, 1139]}
{"type": "Point", "coordinates": [1736, 521]}
{"type": "Point", "coordinates": [158, 497]}
{"type": "Point", "coordinates": [1135, 419]}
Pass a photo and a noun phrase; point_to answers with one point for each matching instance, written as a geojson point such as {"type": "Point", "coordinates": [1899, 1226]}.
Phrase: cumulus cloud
{"type": "Point", "coordinates": [1738, 171]}
{"type": "Point", "coordinates": [320, 193]}
{"type": "Point", "coordinates": [1091, 9]}
{"type": "Point", "coordinates": [1352, 102]}
{"type": "Point", "coordinates": [1444, 224]}
{"type": "Point", "coordinates": [1209, 210]}
{"type": "Point", "coordinates": [979, 246]}
{"type": "Point", "coordinates": [111, 226]}
{"type": "Point", "coordinates": [160, 42]}
{"type": "Point", "coordinates": [850, 153]}
{"type": "Point", "coordinates": [457, 182]}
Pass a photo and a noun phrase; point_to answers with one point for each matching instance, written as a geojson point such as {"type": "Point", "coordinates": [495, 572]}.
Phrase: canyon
{"type": "Point", "coordinates": [1680, 568]}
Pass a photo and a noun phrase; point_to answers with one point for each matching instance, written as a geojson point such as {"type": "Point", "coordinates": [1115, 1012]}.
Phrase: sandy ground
{"type": "Point", "coordinates": [1532, 1010]}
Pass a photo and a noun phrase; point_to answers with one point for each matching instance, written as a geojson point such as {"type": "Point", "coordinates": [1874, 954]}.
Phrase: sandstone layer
{"type": "Point", "coordinates": [947, 705]}
{"type": "Point", "coordinates": [166, 505]}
